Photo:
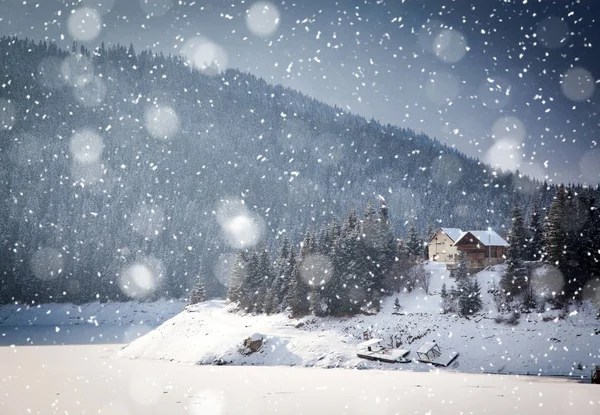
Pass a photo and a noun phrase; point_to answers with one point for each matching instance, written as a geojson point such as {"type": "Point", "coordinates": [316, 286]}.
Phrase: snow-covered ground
{"type": "Point", "coordinates": [52, 361]}
{"type": "Point", "coordinates": [542, 343]}
{"type": "Point", "coordinates": [83, 379]}
{"type": "Point", "coordinates": [546, 343]}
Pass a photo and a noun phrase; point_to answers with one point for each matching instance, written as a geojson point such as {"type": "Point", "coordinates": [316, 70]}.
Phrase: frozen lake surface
{"type": "Point", "coordinates": [87, 379]}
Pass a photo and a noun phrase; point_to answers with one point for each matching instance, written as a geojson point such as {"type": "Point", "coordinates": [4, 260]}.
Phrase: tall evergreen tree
{"type": "Point", "coordinates": [298, 296]}
{"type": "Point", "coordinates": [446, 305]}
{"type": "Point", "coordinates": [562, 240]}
{"type": "Point", "coordinates": [466, 297]}
{"type": "Point", "coordinates": [413, 242]}
{"type": "Point", "coordinates": [386, 248]}
{"type": "Point", "coordinates": [250, 301]}
{"type": "Point", "coordinates": [462, 269]}
{"type": "Point", "coordinates": [535, 234]}
{"type": "Point", "coordinates": [554, 233]}
{"type": "Point", "coordinates": [370, 246]}
{"type": "Point", "coordinates": [334, 293]}
{"type": "Point", "coordinates": [582, 228]}
{"type": "Point", "coordinates": [396, 279]}
{"type": "Point", "coordinates": [281, 280]}
{"type": "Point", "coordinates": [514, 282]}
{"type": "Point", "coordinates": [237, 277]}
{"type": "Point", "coordinates": [317, 304]}
{"type": "Point", "coordinates": [469, 301]}
{"type": "Point", "coordinates": [350, 223]}
{"type": "Point", "coordinates": [198, 293]}
{"type": "Point", "coordinates": [265, 273]}
{"type": "Point", "coordinates": [288, 279]}
{"type": "Point", "coordinates": [592, 240]}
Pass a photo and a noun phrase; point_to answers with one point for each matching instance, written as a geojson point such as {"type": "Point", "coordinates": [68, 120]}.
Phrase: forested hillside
{"type": "Point", "coordinates": [110, 159]}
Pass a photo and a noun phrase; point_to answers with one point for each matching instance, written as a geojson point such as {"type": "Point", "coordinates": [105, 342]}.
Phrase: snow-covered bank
{"type": "Point", "coordinates": [540, 344]}
{"type": "Point", "coordinates": [82, 324]}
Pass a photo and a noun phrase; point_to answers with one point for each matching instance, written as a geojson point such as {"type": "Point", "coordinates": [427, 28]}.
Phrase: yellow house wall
{"type": "Point", "coordinates": [441, 249]}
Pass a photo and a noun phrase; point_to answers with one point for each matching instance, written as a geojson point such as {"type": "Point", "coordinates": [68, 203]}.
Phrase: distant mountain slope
{"type": "Point", "coordinates": [110, 158]}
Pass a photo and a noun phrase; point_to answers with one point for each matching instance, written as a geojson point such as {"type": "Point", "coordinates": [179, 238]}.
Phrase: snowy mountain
{"type": "Point", "coordinates": [110, 159]}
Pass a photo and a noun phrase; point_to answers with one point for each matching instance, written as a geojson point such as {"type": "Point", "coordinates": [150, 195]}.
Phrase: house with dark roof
{"type": "Point", "coordinates": [441, 245]}
{"type": "Point", "coordinates": [482, 248]}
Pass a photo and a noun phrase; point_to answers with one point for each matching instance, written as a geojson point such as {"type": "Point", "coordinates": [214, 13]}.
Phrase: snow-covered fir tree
{"type": "Point", "coordinates": [469, 296]}
{"type": "Point", "coordinates": [514, 281]}
{"type": "Point", "coordinates": [414, 244]}
{"type": "Point", "coordinates": [554, 233]}
{"type": "Point", "coordinates": [197, 293]}
{"type": "Point", "coordinates": [535, 235]}
{"type": "Point", "coordinates": [298, 294]}
{"type": "Point", "coordinates": [237, 277]}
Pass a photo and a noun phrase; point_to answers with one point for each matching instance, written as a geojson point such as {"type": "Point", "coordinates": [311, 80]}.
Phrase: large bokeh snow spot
{"type": "Point", "coordinates": [263, 18]}
{"type": "Point", "coordinates": [442, 88]}
{"type": "Point", "coordinates": [91, 94]}
{"type": "Point", "coordinates": [547, 281]}
{"type": "Point", "coordinates": [240, 228]}
{"type": "Point", "coordinates": [77, 70]}
{"type": "Point", "coordinates": [578, 84]}
{"type": "Point", "coordinates": [509, 127]}
{"type": "Point", "coordinates": [47, 263]}
{"type": "Point", "coordinates": [450, 46]}
{"type": "Point", "coordinates": [552, 32]}
{"type": "Point", "coordinates": [504, 154]}
{"type": "Point", "coordinates": [591, 291]}
{"type": "Point", "coordinates": [141, 278]}
{"type": "Point", "coordinates": [205, 55]}
{"type": "Point", "coordinates": [428, 33]}
{"type": "Point", "coordinates": [242, 231]}
{"type": "Point", "coordinates": [84, 24]}
{"type": "Point", "coordinates": [223, 267]}
{"type": "Point", "coordinates": [86, 146]}
{"type": "Point", "coordinates": [162, 122]}
{"type": "Point", "coordinates": [316, 270]}
{"type": "Point", "coordinates": [590, 167]}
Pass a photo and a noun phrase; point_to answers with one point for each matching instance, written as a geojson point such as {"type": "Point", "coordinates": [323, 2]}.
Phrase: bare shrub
{"type": "Point", "coordinates": [418, 277]}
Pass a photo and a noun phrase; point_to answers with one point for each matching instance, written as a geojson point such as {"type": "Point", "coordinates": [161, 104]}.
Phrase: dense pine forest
{"type": "Point", "coordinates": [114, 162]}
{"type": "Point", "coordinates": [348, 268]}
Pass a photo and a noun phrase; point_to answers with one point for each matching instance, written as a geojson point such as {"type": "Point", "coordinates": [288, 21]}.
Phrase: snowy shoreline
{"type": "Point", "coordinates": [542, 344]}
{"type": "Point", "coordinates": [210, 332]}
{"type": "Point", "coordinates": [552, 343]}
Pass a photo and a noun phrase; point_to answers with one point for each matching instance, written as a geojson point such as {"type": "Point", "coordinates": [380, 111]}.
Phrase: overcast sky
{"type": "Point", "coordinates": [510, 82]}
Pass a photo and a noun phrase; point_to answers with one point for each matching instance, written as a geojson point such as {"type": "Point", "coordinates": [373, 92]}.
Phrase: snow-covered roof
{"type": "Point", "coordinates": [487, 238]}
{"type": "Point", "coordinates": [427, 346]}
{"type": "Point", "coordinates": [369, 343]}
{"type": "Point", "coordinates": [453, 233]}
